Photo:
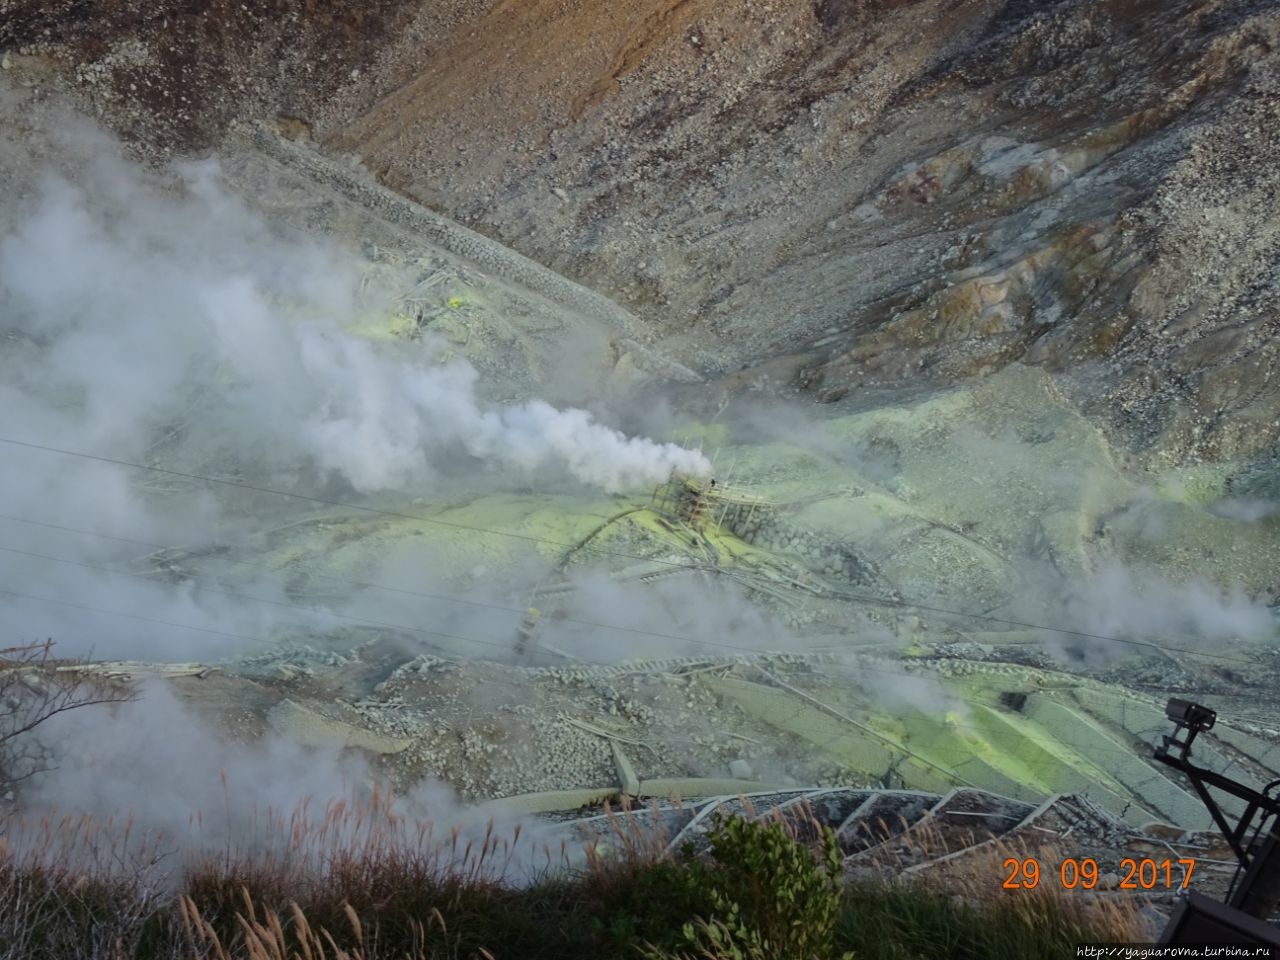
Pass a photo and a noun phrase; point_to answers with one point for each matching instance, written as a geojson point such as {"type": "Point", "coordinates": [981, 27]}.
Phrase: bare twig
{"type": "Point", "coordinates": [34, 688]}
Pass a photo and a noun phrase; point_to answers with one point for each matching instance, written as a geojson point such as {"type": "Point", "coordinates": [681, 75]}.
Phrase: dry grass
{"type": "Point", "coordinates": [264, 937]}
{"type": "Point", "coordinates": [961, 879]}
{"type": "Point", "coordinates": [359, 882]}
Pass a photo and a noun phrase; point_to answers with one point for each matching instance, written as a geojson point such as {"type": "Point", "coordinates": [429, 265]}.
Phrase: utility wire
{"type": "Point", "coordinates": [482, 604]}
{"type": "Point", "coordinates": [346, 505]}
{"type": "Point", "coordinates": [251, 599]}
{"type": "Point", "coordinates": [613, 553]}
{"type": "Point", "coordinates": [355, 583]}
{"type": "Point", "coordinates": [860, 668]}
{"type": "Point", "coordinates": [454, 525]}
{"type": "Point", "coordinates": [27, 596]}
{"type": "Point", "coordinates": [738, 648]}
{"type": "Point", "coordinates": [128, 616]}
{"type": "Point", "coordinates": [240, 636]}
{"type": "Point", "coordinates": [1162, 648]}
{"type": "Point", "coordinates": [888, 741]}
{"type": "Point", "coordinates": [893, 746]}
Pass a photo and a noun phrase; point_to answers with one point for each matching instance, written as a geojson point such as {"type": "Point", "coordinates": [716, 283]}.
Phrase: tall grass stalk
{"type": "Point", "coordinates": [360, 881]}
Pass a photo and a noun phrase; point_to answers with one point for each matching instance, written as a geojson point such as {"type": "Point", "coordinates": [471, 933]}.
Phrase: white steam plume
{"type": "Point", "coordinates": [154, 769]}
{"type": "Point", "coordinates": [141, 297]}
{"type": "Point", "coordinates": [1134, 604]}
{"type": "Point", "coordinates": [380, 428]}
{"type": "Point", "coordinates": [156, 318]}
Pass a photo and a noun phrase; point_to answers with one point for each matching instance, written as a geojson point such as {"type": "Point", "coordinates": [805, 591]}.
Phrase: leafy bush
{"type": "Point", "coordinates": [763, 895]}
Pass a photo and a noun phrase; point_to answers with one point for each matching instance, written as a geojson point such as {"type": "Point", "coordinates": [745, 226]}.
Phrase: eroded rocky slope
{"type": "Point", "coordinates": [1022, 256]}
{"type": "Point", "coordinates": [827, 195]}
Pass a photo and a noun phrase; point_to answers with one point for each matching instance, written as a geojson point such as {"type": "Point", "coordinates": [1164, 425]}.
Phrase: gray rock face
{"type": "Point", "coordinates": [820, 202]}
{"type": "Point", "coordinates": [740, 769]}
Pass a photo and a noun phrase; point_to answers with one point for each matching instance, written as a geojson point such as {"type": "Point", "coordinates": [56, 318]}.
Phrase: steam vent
{"type": "Point", "coordinates": [603, 419]}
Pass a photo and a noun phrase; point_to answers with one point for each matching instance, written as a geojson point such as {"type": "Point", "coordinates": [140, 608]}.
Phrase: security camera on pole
{"type": "Point", "coordinates": [1242, 919]}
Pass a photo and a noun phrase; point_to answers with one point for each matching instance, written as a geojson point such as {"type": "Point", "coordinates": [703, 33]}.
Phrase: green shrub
{"type": "Point", "coordinates": [763, 896]}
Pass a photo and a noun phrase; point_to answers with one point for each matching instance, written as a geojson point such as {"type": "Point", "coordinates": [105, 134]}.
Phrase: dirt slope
{"type": "Point", "coordinates": [809, 196]}
{"type": "Point", "coordinates": [880, 193]}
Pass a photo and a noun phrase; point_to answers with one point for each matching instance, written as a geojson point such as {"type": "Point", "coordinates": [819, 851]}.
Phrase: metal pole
{"type": "Point", "coordinates": [1259, 891]}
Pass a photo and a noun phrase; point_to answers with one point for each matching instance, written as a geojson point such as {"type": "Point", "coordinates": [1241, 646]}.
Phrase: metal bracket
{"type": "Point", "coordinates": [1195, 719]}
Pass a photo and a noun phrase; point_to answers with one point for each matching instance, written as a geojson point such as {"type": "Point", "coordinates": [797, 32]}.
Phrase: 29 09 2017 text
{"type": "Point", "coordinates": [1083, 873]}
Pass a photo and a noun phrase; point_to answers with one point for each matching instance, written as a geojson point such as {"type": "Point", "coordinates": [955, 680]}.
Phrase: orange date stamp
{"type": "Point", "coordinates": [1083, 873]}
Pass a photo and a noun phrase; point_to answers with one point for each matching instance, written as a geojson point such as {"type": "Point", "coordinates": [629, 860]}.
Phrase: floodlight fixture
{"type": "Point", "coordinates": [1190, 715]}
